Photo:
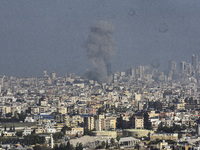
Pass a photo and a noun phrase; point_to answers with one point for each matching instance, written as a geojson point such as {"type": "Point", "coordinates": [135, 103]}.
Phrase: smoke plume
{"type": "Point", "coordinates": [100, 50]}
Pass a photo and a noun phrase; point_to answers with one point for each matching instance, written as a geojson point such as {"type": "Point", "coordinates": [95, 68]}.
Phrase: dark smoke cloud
{"type": "Point", "coordinates": [100, 49]}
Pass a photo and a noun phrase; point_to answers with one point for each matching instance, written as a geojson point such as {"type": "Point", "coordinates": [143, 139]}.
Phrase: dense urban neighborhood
{"type": "Point", "coordinates": [140, 108]}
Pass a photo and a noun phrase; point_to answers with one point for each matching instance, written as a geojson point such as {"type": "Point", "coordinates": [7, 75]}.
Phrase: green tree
{"type": "Point", "coordinates": [65, 128]}
{"type": "Point", "coordinates": [112, 141]}
{"type": "Point", "coordinates": [76, 135]}
{"type": "Point", "coordinates": [19, 133]}
{"type": "Point", "coordinates": [38, 147]}
{"type": "Point", "coordinates": [2, 134]}
{"type": "Point", "coordinates": [118, 138]}
{"type": "Point", "coordinates": [22, 116]}
{"type": "Point", "coordinates": [107, 146]}
{"type": "Point", "coordinates": [79, 146]}
{"type": "Point", "coordinates": [87, 132]}
{"type": "Point", "coordinates": [170, 141]}
{"type": "Point", "coordinates": [173, 129]}
{"type": "Point", "coordinates": [71, 147]}
{"type": "Point", "coordinates": [103, 144]}
{"type": "Point", "coordinates": [137, 146]}
{"type": "Point", "coordinates": [58, 135]}
{"type": "Point", "coordinates": [68, 145]}
{"type": "Point", "coordinates": [10, 129]}
{"type": "Point", "coordinates": [9, 115]}
{"type": "Point", "coordinates": [61, 147]}
{"type": "Point", "coordinates": [33, 132]}
{"type": "Point", "coordinates": [56, 147]}
{"type": "Point", "coordinates": [33, 139]}
{"type": "Point", "coordinates": [101, 110]}
{"type": "Point", "coordinates": [64, 147]}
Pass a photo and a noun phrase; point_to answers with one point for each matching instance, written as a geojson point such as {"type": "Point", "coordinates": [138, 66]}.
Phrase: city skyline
{"type": "Point", "coordinates": [99, 74]}
{"type": "Point", "coordinates": [174, 67]}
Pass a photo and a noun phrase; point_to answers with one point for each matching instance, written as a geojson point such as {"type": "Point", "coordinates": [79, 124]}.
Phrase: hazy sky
{"type": "Point", "coordinates": [38, 35]}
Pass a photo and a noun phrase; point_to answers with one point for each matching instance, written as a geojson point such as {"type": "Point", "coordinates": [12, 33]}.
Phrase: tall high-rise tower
{"type": "Point", "coordinates": [173, 66]}
{"type": "Point", "coordinates": [53, 75]}
{"type": "Point", "coordinates": [183, 67]}
{"type": "Point", "coordinates": [45, 73]}
{"type": "Point", "coordinates": [195, 62]}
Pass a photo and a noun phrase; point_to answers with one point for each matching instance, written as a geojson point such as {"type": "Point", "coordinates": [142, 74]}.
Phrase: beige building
{"type": "Point", "coordinates": [58, 126]}
{"type": "Point", "coordinates": [74, 131]}
{"type": "Point", "coordinates": [180, 106]}
{"type": "Point", "coordinates": [163, 146]}
{"type": "Point", "coordinates": [100, 124]}
{"type": "Point", "coordinates": [89, 122]}
{"type": "Point", "coordinates": [138, 97]}
{"type": "Point", "coordinates": [78, 119]}
{"type": "Point", "coordinates": [39, 130]}
{"type": "Point", "coordinates": [138, 122]}
{"type": "Point", "coordinates": [43, 109]}
{"type": "Point", "coordinates": [62, 110]}
{"type": "Point", "coordinates": [137, 133]}
{"type": "Point", "coordinates": [111, 134]}
{"type": "Point", "coordinates": [67, 120]}
{"type": "Point", "coordinates": [5, 109]}
{"type": "Point", "coordinates": [101, 116]}
{"type": "Point", "coordinates": [35, 110]}
{"type": "Point", "coordinates": [110, 123]}
{"type": "Point", "coordinates": [164, 136]}
{"type": "Point", "coordinates": [6, 134]}
{"type": "Point", "coordinates": [153, 114]}
{"type": "Point", "coordinates": [43, 103]}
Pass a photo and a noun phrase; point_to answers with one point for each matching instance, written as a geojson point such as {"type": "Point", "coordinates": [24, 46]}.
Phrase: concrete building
{"type": "Point", "coordinates": [137, 133]}
{"type": "Point", "coordinates": [89, 123]}
{"type": "Point", "coordinates": [164, 136]}
{"type": "Point", "coordinates": [110, 134]}
{"type": "Point", "coordinates": [138, 122]}
{"type": "Point", "coordinates": [9, 134]}
{"type": "Point", "coordinates": [27, 131]}
{"type": "Point", "coordinates": [110, 123]}
{"type": "Point", "coordinates": [76, 131]}
{"type": "Point", "coordinates": [100, 124]}
{"type": "Point", "coordinates": [53, 75]}
{"type": "Point", "coordinates": [128, 142]}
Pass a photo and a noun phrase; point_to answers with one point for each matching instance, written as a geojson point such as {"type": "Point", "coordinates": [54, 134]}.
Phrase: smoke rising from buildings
{"type": "Point", "coordinates": [100, 50]}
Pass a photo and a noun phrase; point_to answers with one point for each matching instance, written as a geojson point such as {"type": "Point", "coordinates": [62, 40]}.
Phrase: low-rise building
{"type": "Point", "coordinates": [39, 130]}
{"type": "Point", "coordinates": [51, 130]}
{"type": "Point", "coordinates": [112, 134]}
{"type": "Point", "coordinates": [75, 131]}
{"type": "Point", "coordinates": [128, 142]}
{"type": "Point", "coordinates": [7, 133]}
{"type": "Point", "coordinates": [26, 131]}
{"type": "Point", "coordinates": [164, 136]}
{"type": "Point", "coordinates": [137, 133]}
{"type": "Point", "coordinates": [138, 122]}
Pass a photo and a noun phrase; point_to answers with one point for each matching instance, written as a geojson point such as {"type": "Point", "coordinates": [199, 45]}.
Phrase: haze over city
{"type": "Point", "coordinates": [51, 35]}
{"type": "Point", "coordinates": [99, 74]}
